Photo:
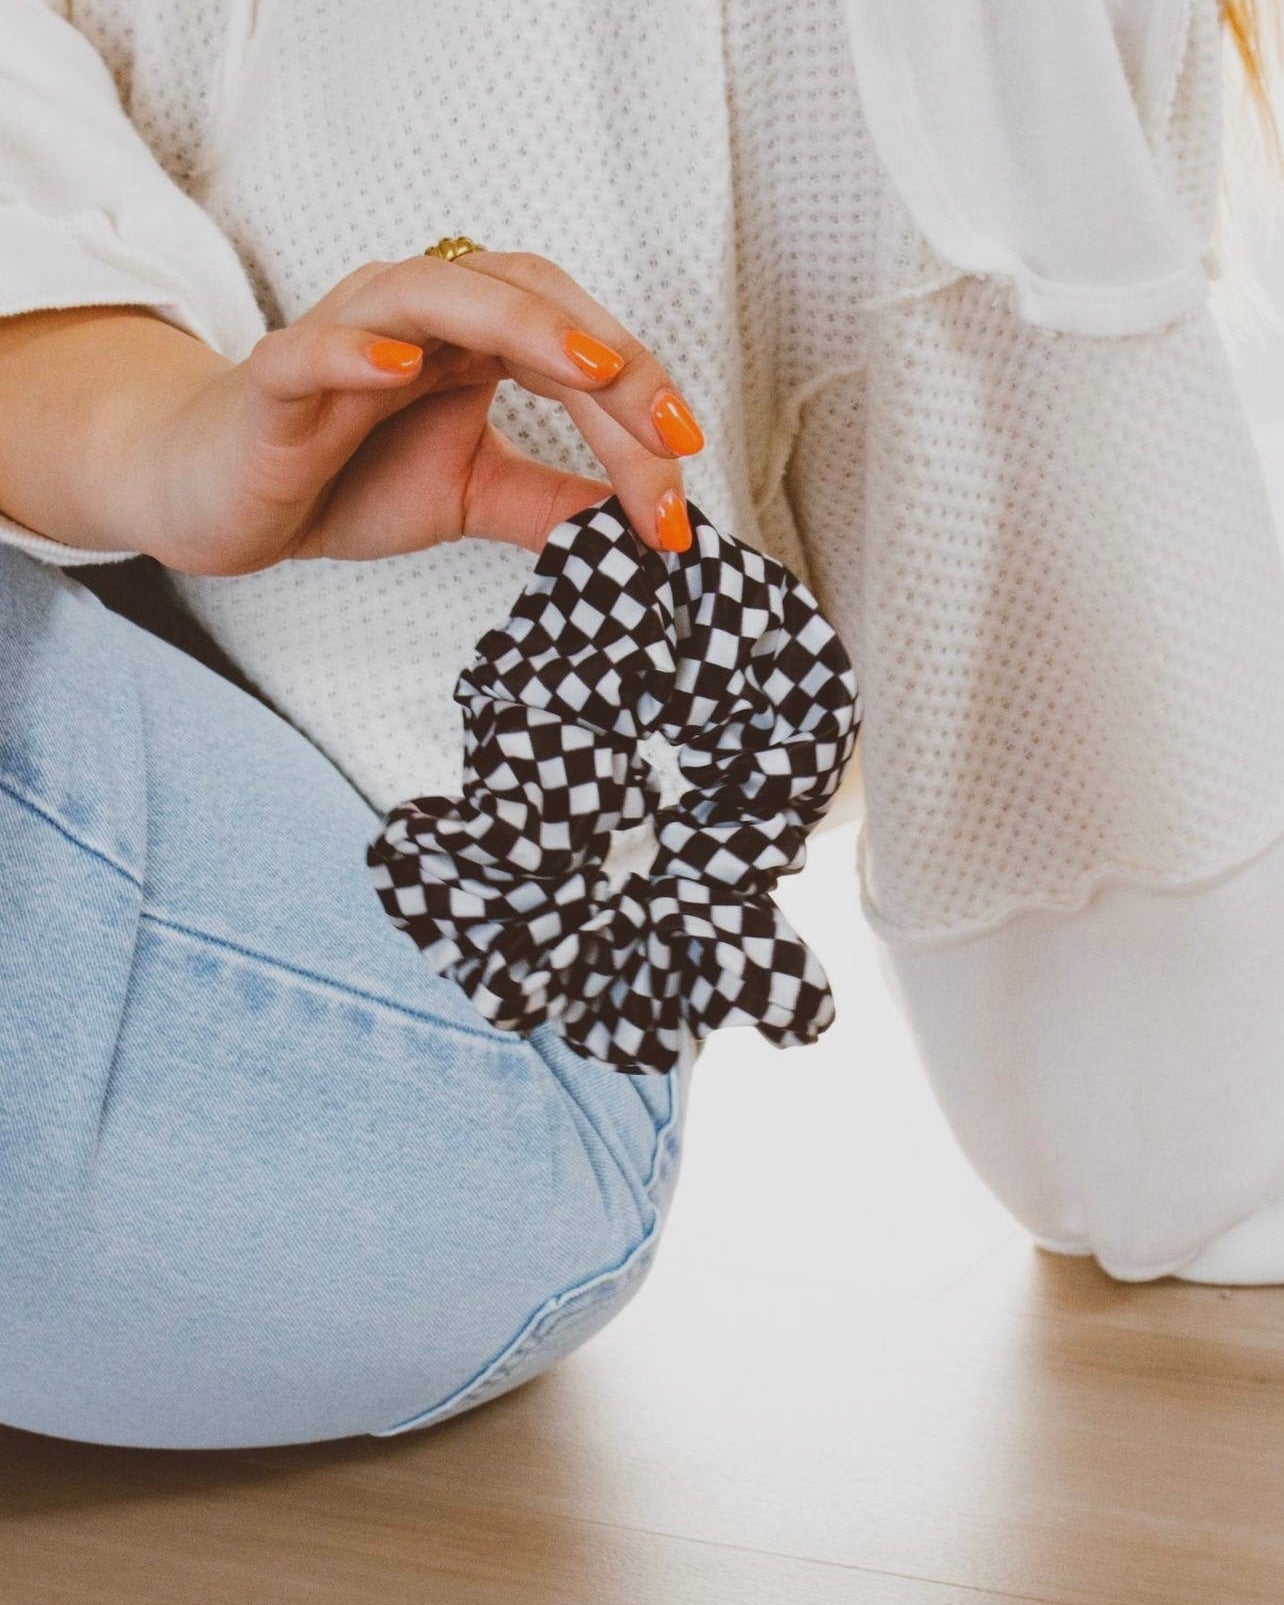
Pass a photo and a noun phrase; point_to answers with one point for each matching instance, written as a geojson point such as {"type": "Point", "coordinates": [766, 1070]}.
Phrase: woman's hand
{"type": "Point", "coordinates": [360, 429]}
{"type": "Point", "coordinates": [122, 432]}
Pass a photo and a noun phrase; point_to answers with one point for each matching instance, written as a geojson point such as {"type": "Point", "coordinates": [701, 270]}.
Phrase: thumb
{"type": "Point", "coordinates": [513, 498]}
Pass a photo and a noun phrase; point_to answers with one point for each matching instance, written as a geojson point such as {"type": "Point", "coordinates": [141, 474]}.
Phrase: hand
{"type": "Point", "coordinates": [309, 448]}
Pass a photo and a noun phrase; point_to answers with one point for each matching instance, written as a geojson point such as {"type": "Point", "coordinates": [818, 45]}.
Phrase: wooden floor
{"type": "Point", "coordinates": [849, 1380]}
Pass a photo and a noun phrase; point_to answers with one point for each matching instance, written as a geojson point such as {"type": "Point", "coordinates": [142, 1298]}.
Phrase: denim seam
{"type": "Point", "coordinates": [112, 1078]}
{"type": "Point", "coordinates": [516, 1348]}
{"type": "Point", "coordinates": [600, 1163]}
{"type": "Point", "coordinates": [570, 1298]}
{"type": "Point", "coordinates": [664, 1133]}
{"type": "Point", "coordinates": [65, 830]}
{"type": "Point", "coordinates": [326, 983]}
{"type": "Point", "coordinates": [157, 918]}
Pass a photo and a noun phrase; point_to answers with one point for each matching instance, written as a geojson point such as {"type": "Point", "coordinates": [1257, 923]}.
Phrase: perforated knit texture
{"type": "Point", "coordinates": [1186, 143]}
{"type": "Point", "coordinates": [1066, 674]}
{"type": "Point", "coordinates": [1050, 558]}
{"type": "Point", "coordinates": [109, 27]}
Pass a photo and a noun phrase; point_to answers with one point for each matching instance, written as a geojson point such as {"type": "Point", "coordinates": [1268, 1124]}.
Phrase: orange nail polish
{"type": "Point", "coordinates": [676, 424]}
{"type": "Point", "coordinates": [597, 360]}
{"type": "Point", "coordinates": [394, 356]}
{"type": "Point", "coordinates": [672, 522]}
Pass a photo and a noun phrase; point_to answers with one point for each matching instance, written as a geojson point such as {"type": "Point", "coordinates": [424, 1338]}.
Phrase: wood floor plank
{"type": "Point", "coordinates": [1017, 1276]}
{"type": "Point", "coordinates": [101, 1526]}
{"type": "Point", "coordinates": [1022, 1455]}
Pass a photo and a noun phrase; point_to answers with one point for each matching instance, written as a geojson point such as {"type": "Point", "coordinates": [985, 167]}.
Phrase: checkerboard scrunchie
{"type": "Point", "coordinates": [725, 654]}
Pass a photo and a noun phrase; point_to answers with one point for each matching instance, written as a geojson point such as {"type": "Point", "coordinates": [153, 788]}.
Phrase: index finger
{"type": "Point", "coordinates": [424, 299]}
{"type": "Point", "coordinates": [642, 395]}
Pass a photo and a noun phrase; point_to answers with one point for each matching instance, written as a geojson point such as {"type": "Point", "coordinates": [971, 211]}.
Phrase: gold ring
{"type": "Point", "coordinates": [448, 249]}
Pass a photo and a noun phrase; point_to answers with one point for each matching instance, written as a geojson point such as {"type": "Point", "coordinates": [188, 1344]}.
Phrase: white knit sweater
{"type": "Point", "coordinates": [938, 294]}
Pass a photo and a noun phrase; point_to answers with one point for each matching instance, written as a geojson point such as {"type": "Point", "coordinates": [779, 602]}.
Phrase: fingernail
{"type": "Point", "coordinates": [672, 522]}
{"type": "Point", "coordinates": [597, 360]}
{"type": "Point", "coordinates": [394, 356]}
{"type": "Point", "coordinates": [676, 423]}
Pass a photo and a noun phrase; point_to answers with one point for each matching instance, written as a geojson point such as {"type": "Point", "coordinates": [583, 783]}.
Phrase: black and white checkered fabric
{"type": "Point", "coordinates": [725, 654]}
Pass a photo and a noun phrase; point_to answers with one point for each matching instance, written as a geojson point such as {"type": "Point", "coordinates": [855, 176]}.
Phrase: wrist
{"type": "Point", "coordinates": [135, 446]}
{"type": "Point", "coordinates": [86, 392]}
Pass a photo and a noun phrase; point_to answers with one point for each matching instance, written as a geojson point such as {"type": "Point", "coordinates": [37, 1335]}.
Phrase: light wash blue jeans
{"type": "Point", "coordinates": [264, 1177]}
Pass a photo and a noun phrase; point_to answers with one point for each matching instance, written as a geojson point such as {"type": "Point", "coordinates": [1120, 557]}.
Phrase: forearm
{"type": "Point", "coordinates": [86, 394]}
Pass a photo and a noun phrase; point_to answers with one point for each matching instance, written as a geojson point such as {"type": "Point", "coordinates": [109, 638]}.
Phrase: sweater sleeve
{"type": "Point", "coordinates": [1035, 141]}
{"type": "Point", "coordinates": [89, 217]}
{"type": "Point", "coordinates": [1055, 561]}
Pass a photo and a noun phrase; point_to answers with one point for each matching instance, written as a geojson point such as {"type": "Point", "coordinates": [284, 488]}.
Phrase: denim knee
{"type": "Point", "coordinates": [270, 1168]}
{"type": "Point", "coordinates": [575, 1310]}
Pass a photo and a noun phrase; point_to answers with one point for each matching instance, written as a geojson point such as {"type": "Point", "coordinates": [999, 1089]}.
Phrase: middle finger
{"type": "Point", "coordinates": [641, 396]}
